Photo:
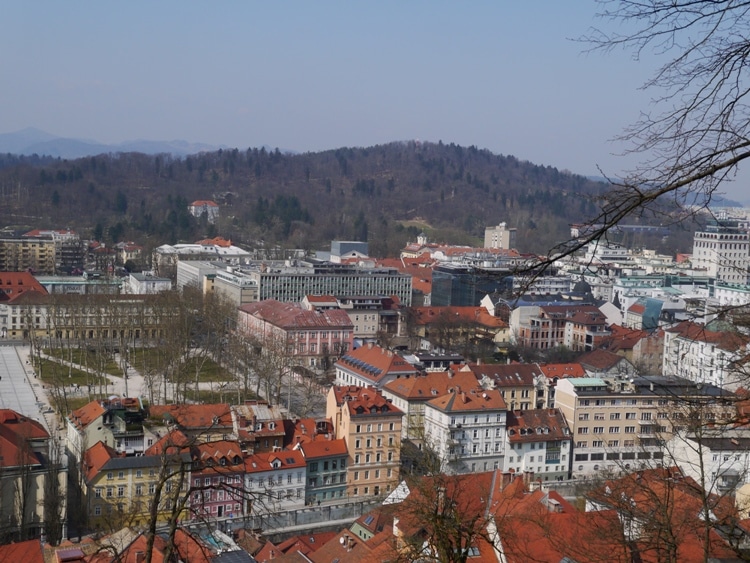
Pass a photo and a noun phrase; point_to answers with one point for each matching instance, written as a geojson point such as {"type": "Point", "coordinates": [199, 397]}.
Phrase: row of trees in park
{"type": "Point", "coordinates": [184, 344]}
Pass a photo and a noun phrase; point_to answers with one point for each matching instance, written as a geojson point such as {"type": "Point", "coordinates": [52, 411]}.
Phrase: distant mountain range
{"type": "Point", "coordinates": [716, 200]}
{"type": "Point", "coordinates": [34, 141]}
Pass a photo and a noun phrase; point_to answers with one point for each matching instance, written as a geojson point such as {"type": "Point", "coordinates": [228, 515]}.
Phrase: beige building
{"type": "Point", "coordinates": [22, 254]}
{"type": "Point", "coordinates": [622, 424]}
{"type": "Point", "coordinates": [27, 462]}
{"type": "Point", "coordinates": [411, 394]}
{"type": "Point", "coordinates": [371, 426]}
{"type": "Point", "coordinates": [500, 237]}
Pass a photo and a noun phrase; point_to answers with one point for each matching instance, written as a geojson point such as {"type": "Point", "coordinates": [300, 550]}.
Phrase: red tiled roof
{"type": "Point", "coordinates": [96, 457]}
{"type": "Point", "coordinates": [323, 448]}
{"type": "Point", "coordinates": [15, 432]}
{"type": "Point", "coordinates": [470, 400]}
{"type": "Point", "coordinates": [204, 203]}
{"type": "Point", "coordinates": [375, 363]}
{"type": "Point", "coordinates": [290, 316]}
{"type": "Point", "coordinates": [729, 341]}
{"type": "Point", "coordinates": [469, 315]}
{"type": "Point", "coordinates": [216, 415]}
{"type": "Point", "coordinates": [216, 241]}
{"type": "Point", "coordinates": [366, 401]}
{"type": "Point", "coordinates": [173, 442]}
{"type": "Point", "coordinates": [261, 462]}
{"type": "Point", "coordinates": [29, 551]}
{"type": "Point", "coordinates": [562, 370]}
{"type": "Point", "coordinates": [600, 359]}
{"type": "Point", "coordinates": [506, 375]}
{"type": "Point", "coordinates": [321, 299]}
{"type": "Point", "coordinates": [87, 414]}
{"type": "Point", "coordinates": [428, 386]}
{"type": "Point", "coordinates": [536, 425]}
{"type": "Point", "coordinates": [13, 284]}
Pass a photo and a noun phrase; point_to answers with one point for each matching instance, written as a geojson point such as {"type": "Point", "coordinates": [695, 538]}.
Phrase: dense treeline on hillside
{"type": "Point", "coordinates": [385, 193]}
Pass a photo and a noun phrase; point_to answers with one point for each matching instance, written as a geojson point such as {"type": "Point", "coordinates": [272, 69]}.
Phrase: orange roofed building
{"type": "Point", "coordinates": [371, 427]}
{"type": "Point", "coordinates": [466, 429]}
{"type": "Point", "coordinates": [371, 365]}
{"type": "Point", "coordinates": [411, 394]}
{"type": "Point", "coordinates": [210, 208]}
{"type": "Point", "coordinates": [326, 461]}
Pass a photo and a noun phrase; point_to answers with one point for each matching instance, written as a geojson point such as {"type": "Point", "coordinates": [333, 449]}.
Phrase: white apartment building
{"type": "Point", "coordinates": [467, 429]}
{"type": "Point", "coordinates": [724, 252]}
{"type": "Point", "coordinates": [704, 356]}
{"type": "Point", "coordinates": [539, 441]}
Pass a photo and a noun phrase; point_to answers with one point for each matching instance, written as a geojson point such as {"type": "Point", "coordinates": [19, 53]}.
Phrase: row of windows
{"type": "Point", "coordinates": [368, 427]}
{"type": "Point", "coordinates": [329, 466]}
{"type": "Point", "coordinates": [138, 474]}
{"type": "Point", "coordinates": [617, 455]}
{"type": "Point", "coordinates": [376, 474]}
{"type": "Point", "coordinates": [270, 480]}
{"type": "Point", "coordinates": [617, 402]}
{"type": "Point", "coordinates": [368, 457]}
{"type": "Point", "coordinates": [499, 417]}
{"type": "Point", "coordinates": [327, 480]}
{"type": "Point", "coordinates": [610, 444]}
{"type": "Point", "coordinates": [368, 442]}
{"type": "Point", "coordinates": [121, 490]}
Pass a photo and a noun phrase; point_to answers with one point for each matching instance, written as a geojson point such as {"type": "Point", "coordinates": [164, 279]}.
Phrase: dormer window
{"type": "Point", "coordinates": [272, 425]}
{"type": "Point", "coordinates": [222, 461]}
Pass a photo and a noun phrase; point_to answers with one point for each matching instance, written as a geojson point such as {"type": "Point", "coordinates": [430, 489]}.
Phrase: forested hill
{"type": "Point", "coordinates": [386, 193]}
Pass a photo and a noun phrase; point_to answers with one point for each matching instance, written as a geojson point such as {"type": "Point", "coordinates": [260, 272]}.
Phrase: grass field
{"type": "Point", "coordinates": [55, 373]}
{"type": "Point", "coordinates": [89, 358]}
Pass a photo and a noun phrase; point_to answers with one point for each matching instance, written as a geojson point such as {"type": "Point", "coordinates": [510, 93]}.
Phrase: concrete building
{"type": "Point", "coordinates": [279, 477]}
{"type": "Point", "coordinates": [723, 250]}
{"type": "Point", "coordinates": [622, 424]}
{"type": "Point", "coordinates": [412, 392]}
{"type": "Point", "coordinates": [291, 283]}
{"type": "Point", "coordinates": [326, 469]}
{"type": "Point", "coordinates": [500, 237]}
{"type": "Point", "coordinates": [145, 284]}
{"type": "Point", "coordinates": [706, 356]}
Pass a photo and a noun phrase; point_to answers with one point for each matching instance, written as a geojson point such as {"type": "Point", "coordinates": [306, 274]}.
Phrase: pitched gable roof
{"type": "Point", "coordinates": [374, 363]}
{"type": "Point", "coordinates": [427, 387]}
{"type": "Point", "coordinates": [290, 316]}
{"type": "Point", "coordinates": [364, 401]}
{"type": "Point", "coordinates": [470, 400]}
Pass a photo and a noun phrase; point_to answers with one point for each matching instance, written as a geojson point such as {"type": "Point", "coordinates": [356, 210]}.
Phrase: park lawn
{"type": "Point", "coordinates": [206, 396]}
{"type": "Point", "coordinates": [74, 403]}
{"type": "Point", "coordinates": [86, 357]}
{"type": "Point", "coordinates": [153, 359]}
{"type": "Point", "coordinates": [146, 359]}
{"type": "Point", "coordinates": [210, 371]}
{"type": "Point", "coordinates": [54, 373]}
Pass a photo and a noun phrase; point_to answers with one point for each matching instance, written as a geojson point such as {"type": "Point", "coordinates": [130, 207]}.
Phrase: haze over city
{"type": "Point", "coordinates": [508, 77]}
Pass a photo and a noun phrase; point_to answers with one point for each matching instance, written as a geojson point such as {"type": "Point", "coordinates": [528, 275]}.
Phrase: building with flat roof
{"type": "Point", "coordinates": [622, 424]}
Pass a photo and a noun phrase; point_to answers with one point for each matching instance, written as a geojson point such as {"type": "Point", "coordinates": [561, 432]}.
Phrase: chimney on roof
{"type": "Point", "coordinates": [369, 345]}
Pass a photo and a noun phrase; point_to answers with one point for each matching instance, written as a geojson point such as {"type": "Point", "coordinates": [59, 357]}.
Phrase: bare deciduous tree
{"type": "Point", "coordinates": [697, 131]}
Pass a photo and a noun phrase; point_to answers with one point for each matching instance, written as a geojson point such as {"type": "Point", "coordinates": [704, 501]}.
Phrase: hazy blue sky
{"type": "Point", "coordinates": [315, 75]}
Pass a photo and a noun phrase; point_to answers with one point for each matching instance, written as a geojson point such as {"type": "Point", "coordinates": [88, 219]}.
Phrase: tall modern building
{"type": "Point", "coordinates": [723, 250]}
{"type": "Point", "coordinates": [500, 237]}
